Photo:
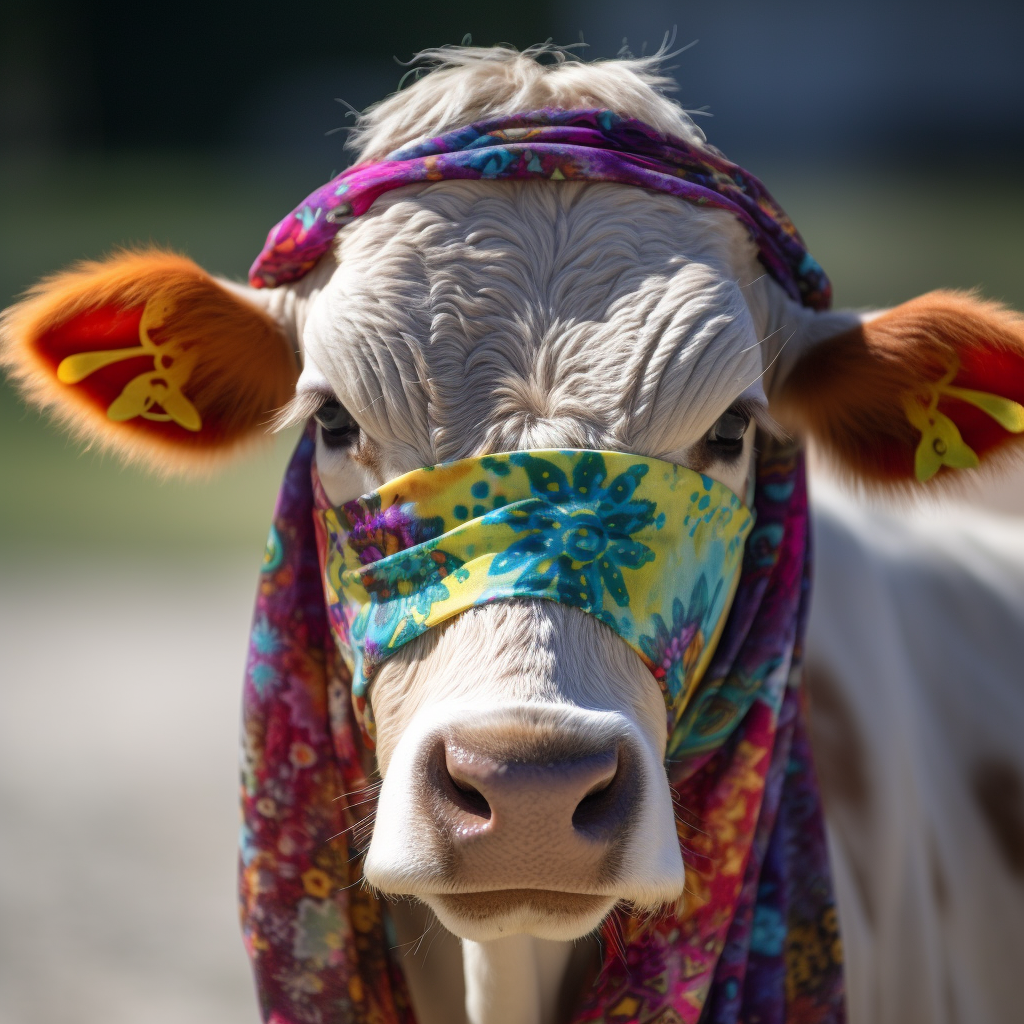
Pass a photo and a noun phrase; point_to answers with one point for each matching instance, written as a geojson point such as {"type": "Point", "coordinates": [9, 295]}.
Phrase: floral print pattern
{"type": "Point", "coordinates": [673, 652]}
{"type": "Point", "coordinates": [550, 145]}
{"type": "Point", "coordinates": [755, 937]}
{"type": "Point", "coordinates": [621, 537]}
{"type": "Point", "coordinates": [579, 534]}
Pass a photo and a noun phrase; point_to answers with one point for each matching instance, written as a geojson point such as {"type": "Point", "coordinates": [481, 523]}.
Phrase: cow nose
{"type": "Point", "coordinates": [549, 815]}
{"type": "Point", "coordinates": [498, 792]}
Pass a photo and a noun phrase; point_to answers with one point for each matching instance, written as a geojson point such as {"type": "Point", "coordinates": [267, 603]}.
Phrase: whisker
{"type": "Point", "coordinates": [356, 792]}
{"type": "Point", "coordinates": [750, 284]}
{"type": "Point", "coordinates": [434, 937]}
{"type": "Point", "coordinates": [361, 803]}
{"type": "Point", "coordinates": [777, 354]}
{"type": "Point", "coordinates": [345, 888]}
{"type": "Point", "coordinates": [366, 823]}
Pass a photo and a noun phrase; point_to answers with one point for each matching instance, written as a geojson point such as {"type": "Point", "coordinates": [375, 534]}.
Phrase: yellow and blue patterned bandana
{"type": "Point", "coordinates": [651, 549]}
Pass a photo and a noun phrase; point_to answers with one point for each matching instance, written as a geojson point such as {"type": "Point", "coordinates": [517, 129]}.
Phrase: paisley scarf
{"type": "Point", "coordinates": [755, 938]}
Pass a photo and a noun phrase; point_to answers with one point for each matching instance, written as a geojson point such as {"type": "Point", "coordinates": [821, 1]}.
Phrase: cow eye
{"type": "Point", "coordinates": [337, 428]}
{"type": "Point", "coordinates": [726, 436]}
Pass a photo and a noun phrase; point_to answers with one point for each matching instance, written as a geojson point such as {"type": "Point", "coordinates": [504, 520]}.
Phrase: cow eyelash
{"type": "Point", "coordinates": [724, 440]}
{"type": "Point", "coordinates": [337, 427]}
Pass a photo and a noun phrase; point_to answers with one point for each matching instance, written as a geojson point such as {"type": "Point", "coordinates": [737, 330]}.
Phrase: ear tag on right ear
{"type": "Point", "coordinates": [941, 443]}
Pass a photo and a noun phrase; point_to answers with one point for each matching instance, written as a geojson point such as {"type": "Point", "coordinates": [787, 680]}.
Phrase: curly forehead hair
{"type": "Point", "coordinates": [465, 84]}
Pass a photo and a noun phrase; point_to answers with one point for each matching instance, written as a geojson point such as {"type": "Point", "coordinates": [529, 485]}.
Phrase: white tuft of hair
{"type": "Point", "coordinates": [474, 83]}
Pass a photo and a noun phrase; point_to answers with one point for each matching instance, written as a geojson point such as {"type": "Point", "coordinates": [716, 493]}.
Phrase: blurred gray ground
{"type": "Point", "coordinates": [118, 806]}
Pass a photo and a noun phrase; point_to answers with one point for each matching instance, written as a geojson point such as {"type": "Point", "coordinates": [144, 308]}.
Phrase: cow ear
{"type": "Point", "coordinates": [907, 396]}
{"type": "Point", "coordinates": [150, 356]}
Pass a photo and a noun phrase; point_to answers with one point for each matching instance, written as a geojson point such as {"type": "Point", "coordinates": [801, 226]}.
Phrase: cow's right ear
{"type": "Point", "coordinates": [147, 354]}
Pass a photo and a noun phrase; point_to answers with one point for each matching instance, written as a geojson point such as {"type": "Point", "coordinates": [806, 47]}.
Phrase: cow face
{"type": "Point", "coordinates": [521, 744]}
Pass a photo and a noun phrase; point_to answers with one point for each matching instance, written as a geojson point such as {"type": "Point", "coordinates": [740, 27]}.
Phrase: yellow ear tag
{"type": "Point", "coordinates": [161, 386]}
{"type": "Point", "coordinates": [941, 443]}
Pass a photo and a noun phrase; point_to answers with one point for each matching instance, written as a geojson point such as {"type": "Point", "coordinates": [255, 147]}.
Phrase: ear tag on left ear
{"type": "Point", "coordinates": [160, 387]}
{"type": "Point", "coordinates": [941, 443]}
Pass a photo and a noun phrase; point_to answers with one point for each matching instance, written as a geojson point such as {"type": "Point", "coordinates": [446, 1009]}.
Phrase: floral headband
{"type": "Point", "coordinates": [550, 145]}
{"type": "Point", "coordinates": [651, 549]}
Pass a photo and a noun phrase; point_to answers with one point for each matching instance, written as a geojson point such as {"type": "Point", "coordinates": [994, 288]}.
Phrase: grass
{"type": "Point", "coordinates": [882, 237]}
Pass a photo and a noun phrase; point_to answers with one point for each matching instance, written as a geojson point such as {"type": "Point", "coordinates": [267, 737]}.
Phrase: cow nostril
{"type": "Point", "coordinates": [451, 770]}
{"type": "Point", "coordinates": [468, 798]}
{"type": "Point", "coordinates": [606, 805]}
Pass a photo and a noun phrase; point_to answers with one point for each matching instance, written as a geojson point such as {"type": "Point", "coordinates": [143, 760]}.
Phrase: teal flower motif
{"type": "Point", "coordinates": [273, 556]}
{"type": "Point", "coordinates": [768, 933]}
{"type": "Point", "coordinates": [402, 589]}
{"type": "Point", "coordinates": [263, 677]}
{"type": "Point", "coordinates": [579, 535]}
{"type": "Point", "coordinates": [308, 216]}
{"type": "Point", "coordinates": [264, 638]}
{"type": "Point", "coordinates": [493, 162]}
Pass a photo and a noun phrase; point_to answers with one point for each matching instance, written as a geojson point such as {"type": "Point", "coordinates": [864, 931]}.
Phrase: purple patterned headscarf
{"type": "Point", "coordinates": [550, 145]}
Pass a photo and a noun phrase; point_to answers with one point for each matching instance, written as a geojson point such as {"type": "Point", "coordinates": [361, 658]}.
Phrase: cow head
{"type": "Point", "coordinates": [521, 744]}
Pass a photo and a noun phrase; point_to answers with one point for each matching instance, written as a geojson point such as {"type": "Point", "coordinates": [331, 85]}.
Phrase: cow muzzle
{"type": "Point", "coordinates": [524, 819]}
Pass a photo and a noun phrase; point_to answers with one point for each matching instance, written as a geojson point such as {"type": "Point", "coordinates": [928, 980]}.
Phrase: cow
{"type": "Point", "coordinates": [455, 319]}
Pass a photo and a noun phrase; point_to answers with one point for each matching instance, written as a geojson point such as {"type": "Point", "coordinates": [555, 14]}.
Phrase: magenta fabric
{"type": "Point", "coordinates": [550, 145]}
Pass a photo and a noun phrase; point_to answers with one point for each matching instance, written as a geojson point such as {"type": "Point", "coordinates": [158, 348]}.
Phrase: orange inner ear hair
{"type": "Point", "coordinates": [148, 354]}
{"type": "Point", "coordinates": [932, 385]}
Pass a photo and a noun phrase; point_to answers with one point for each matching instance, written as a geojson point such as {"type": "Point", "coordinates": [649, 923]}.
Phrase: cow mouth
{"type": "Point", "coordinates": [500, 903]}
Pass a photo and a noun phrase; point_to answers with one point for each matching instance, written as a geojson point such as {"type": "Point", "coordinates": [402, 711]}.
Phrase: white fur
{"type": "Point", "coordinates": [476, 83]}
{"type": "Point", "coordinates": [473, 316]}
{"type": "Point", "coordinates": [514, 980]}
{"type": "Point", "coordinates": [919, 626]}
{"type": "Point", "coordinates": [577, 670]}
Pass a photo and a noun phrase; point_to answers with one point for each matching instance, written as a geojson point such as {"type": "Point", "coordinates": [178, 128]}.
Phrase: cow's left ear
{"type": "Point", "coordinates": [150, 356]}
{"type": "Point", "coordinates": [933, 385]}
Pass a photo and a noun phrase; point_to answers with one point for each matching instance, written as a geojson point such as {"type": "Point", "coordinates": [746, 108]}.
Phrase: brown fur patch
{"type": "Point", "coordinates": [848, 392]}
{"type": "Point", "coordinates": [242, 367]}
{"type": "Point", "coordinates": [999, 790]}
{"type": "Point", "coordinates": [838, 748]}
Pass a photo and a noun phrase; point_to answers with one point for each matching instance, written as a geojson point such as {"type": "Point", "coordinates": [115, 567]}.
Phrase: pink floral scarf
{"type": "Point", "coordinates": [756, 937]}
{"type": "Point", "coordinates": [550, 145]}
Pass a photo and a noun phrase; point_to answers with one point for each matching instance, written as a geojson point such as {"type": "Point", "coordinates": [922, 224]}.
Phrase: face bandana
{"type": "Point", "coordinates": [651, 549]}
{"type": "Point", "coordinates": [756, 936]}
